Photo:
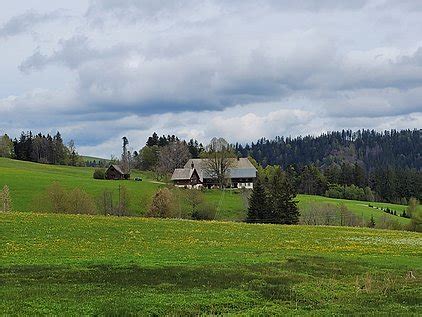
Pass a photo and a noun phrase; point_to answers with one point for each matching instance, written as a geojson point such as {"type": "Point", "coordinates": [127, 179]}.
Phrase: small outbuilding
{"type": "Point", "coordinates": [116, 172]}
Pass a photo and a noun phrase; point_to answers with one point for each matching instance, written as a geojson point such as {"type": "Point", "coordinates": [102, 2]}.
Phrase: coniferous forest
{"type": "Point", "coordinates": [365, 164]}
{"type": "Point", "coordinates": [40, 148]}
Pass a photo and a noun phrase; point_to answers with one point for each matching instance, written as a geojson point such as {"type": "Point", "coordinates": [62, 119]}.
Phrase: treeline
{"type": "Point", "coordinates": [383, 166]}
{"type": "Point", "coordinates": [351, 181]}
{"type": "Point", "coordinates": [40, 148]}
{"type": "Point", "coordinates": [370, 149]}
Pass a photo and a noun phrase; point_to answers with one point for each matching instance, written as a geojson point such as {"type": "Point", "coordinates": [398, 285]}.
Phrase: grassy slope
{"type": "Point", "coordinates": [69, 264]}
{"type": "Point", "coordinates": [27, 180]}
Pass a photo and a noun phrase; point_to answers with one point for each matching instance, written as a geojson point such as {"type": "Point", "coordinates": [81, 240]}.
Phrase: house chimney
{"type": "Point", "coordinates": [192, 165]}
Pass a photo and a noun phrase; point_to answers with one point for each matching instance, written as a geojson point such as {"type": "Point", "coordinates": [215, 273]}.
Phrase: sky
{"type": "Point", "coordinates": [241, 69]}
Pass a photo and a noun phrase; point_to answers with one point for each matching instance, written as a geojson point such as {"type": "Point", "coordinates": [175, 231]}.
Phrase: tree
{"type": "Point", "coordinates": [6, 201]}
{"type": "Point", "coordinates": [152, 140]}
{"type": "Point", "coordinates": [148, 158]}
{"type": "Point", "coordinates": [413, 206]}
{"type": "Point", "coordinates": [194, 198]}
{"type": "Point", "coordinates": [59, 151]}
{"type": "Point", "coordinates": [284, 208]}
{"type": "Point", "coordinates": [6, 146]}
{"type": "Point", "coordinates": [258, 203]}
{"type": "Point", "coordinates": [106, 202]}
{"type": "Point", "coordinates": [125, 156]}
{"type": "Point", "coordinates": [415, 214]}
{"type": "Point", "coordinates": [123, 202]}
{"type": "Point", "coordinates": [172, 156]}
{"type": "Point", "coordinates": [219, 158]}
{"type": "Point", "coordinates": [312, 181]}
{"type": "Point", "coordinates": [371, 223]}
{"type": "Point", "coordinates": [72, 154]}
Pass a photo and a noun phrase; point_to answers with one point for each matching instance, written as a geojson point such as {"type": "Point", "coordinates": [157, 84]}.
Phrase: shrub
{"type": "Point", "coordinates": [99, 173]}
{"type": "Point", "coordinates": [387, 223]}
{"type": "Point", "coordinates": [59, 200]}
{"type": "Point", "coordinates": [317, 213]}
{"type": "Point", "coordinates": [205, 211]}
{"type": "Point", "coordinates": [163, 205]}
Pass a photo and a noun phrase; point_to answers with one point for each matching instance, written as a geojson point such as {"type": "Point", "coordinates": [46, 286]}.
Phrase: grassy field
{"type": "Point", "coordinates": [95, 265]}
{"type": "Point", "coordinates": [28, 180]}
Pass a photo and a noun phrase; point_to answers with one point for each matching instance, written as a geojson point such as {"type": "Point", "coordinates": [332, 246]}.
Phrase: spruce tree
{"type": "Point", "coordinates": [257, 211]}
{"type": "Point", "coordinates": [284, 208]}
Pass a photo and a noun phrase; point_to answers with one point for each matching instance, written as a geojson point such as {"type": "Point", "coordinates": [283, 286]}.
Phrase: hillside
{"type": "Point", "coordinates": [147, 266]}
{"type": "Point", "coordinates": [27, 181]}
{"type": "Point", "coordinates": [372, 149]}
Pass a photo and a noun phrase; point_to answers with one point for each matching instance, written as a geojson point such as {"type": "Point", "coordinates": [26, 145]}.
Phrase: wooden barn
{"type": "Point", "coordinates": [116, 172]}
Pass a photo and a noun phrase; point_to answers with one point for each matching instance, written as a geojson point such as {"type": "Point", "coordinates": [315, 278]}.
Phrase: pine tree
{"type": "Point", "coordinates": [6, 201]}
{"type": "Point", "coordinates": [291, 210]}
{"type": "Point", "coordinates": [258, 205]}
{"type": "Point", "coordinates": [284, 208]}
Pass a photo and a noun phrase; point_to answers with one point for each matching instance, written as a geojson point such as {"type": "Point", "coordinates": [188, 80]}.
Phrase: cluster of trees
{"type": "Point", "coordinates": [330, 215]}
{"type": "Point", "coordinates": [351, 192]}
{"type": "Point", "coordinates": [272, 200]}
{"type": "Point", "coordinates": [40, 148]}
{"type": "Point", "coordinates": [351, 181]}
{"type": "Point", "coordinates": [319, 213]}
{"type": "Point", "coordinates": [166, 153]}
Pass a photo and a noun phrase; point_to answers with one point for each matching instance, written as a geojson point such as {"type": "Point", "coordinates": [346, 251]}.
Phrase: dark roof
{"type": "Point", "coordinates": [240, 168]}
{"type": "Point", "coordinates": [182, 174]}
{"type": "Point", "coordinates": [117, 168]}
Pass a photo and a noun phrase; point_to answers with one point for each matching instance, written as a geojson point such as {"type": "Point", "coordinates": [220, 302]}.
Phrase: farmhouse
{"type": "Point", "coordinates": [241, 174]}
{"type": "Point", "coordinates": [116, 172]}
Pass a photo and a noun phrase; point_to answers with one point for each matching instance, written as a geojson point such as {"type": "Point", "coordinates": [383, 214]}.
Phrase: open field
{"type": "Point", "coordinates": [77, 265]}
{"type": "Point", "coordinates": [27, 181]}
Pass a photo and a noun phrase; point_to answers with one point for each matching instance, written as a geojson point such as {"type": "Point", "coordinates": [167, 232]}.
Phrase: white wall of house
{"type": "Point", "coordinates": [245, 185]}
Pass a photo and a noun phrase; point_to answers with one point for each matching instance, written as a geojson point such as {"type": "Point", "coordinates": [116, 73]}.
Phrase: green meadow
{"type": "Point", "coordinates": [55, 264]}
{"type": "Point", "coordinates": [28, 180]}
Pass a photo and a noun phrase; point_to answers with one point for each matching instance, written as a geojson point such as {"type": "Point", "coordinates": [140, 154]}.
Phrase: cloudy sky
{"type": "Point", "coordinates": [241, 69]}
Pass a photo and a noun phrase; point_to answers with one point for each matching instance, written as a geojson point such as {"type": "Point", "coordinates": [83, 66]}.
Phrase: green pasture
{"type": "Point", "coordinates": [28, 180]}
{"type": "Point", "coordinates": [54, 264]}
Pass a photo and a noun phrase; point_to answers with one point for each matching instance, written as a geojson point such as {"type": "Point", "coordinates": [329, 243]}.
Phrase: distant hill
{"type": "Point", "coordinates": [93, 158]}
{"type": "Point", "coordinates": [369, 148]}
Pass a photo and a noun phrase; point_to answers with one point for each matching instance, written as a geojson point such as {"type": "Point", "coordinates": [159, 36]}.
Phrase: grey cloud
{"type": "Point", "coordinates": [26, 21]}
{"type": "Point", "coordinates": [338, 60]}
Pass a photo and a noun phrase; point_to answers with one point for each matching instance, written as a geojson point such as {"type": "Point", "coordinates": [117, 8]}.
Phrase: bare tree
{"type": "Point", "coordinates": [6, 201]}
{"type": "Point", "coordinates": [219, 158]}
{"type": "Point", "coordinates": [172, 156]}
